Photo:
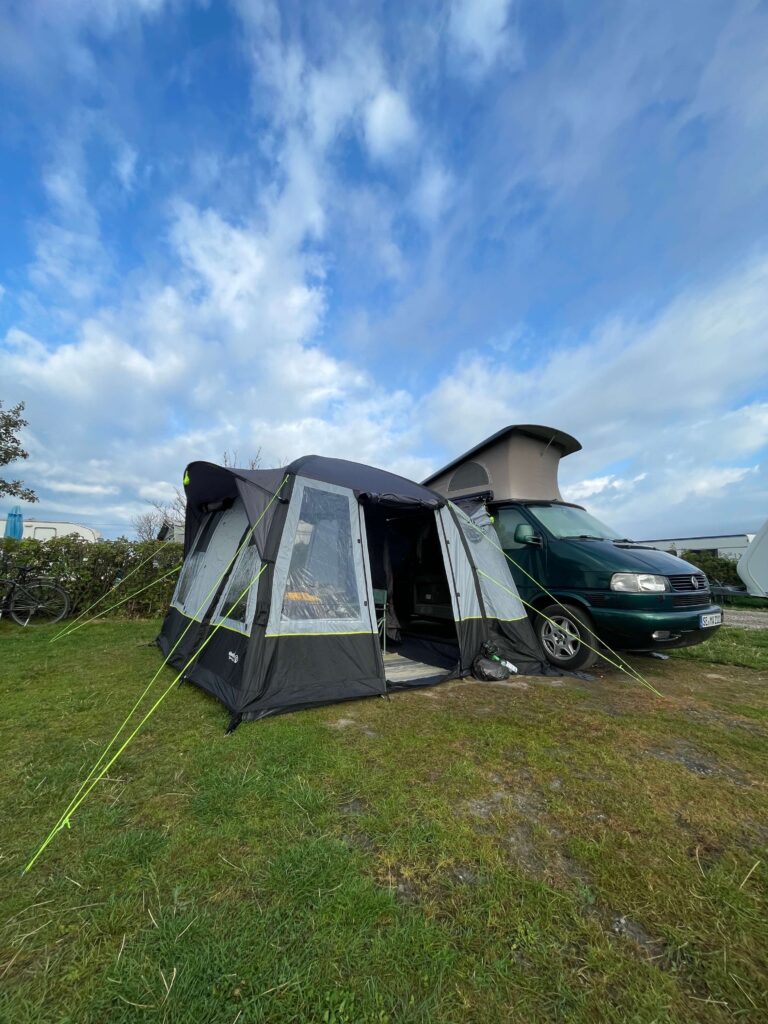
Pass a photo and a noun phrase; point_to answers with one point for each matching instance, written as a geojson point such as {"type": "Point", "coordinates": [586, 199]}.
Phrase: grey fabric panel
{"type": "Point", "coordinates": [496, 584]}
{"type": "Point", "coordinates": [458, 567]}
{"type": "Point", "coordinates": [261, 504]}
{"type": "Point", "coordinates": [205, 568]}
{"type": "Point", "coordinates": [320, 556]}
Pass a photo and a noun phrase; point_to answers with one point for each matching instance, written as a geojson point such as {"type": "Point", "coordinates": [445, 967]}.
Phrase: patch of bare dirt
{"type": "Point", "coordinates": [696, 762]}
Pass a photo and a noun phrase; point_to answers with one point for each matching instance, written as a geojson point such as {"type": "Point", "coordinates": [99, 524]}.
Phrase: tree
{"type": "Point", "coordinates": [11, 422]}
{"type": "Point", "coordinates": [147, 524]}
{"type": "Point", "coordinates": [716, 568]}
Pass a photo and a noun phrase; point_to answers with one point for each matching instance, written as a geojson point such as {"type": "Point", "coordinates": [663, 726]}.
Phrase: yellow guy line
{"type": "Point", "coordinates": [573, 636]}
{"type": "Point", "coordinates": [105, 768]}
{"type": "Point", "coordinates": [68, 627]}
{"type": "Point", "coordinates": [130, 597]}
{"type": "Point", "coordinates": [628, 668]}
{"type": "Point", "coordinates": [64, 817]}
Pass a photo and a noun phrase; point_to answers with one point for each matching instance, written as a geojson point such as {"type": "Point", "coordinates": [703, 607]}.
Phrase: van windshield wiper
{"type": "Point", "coordinates": [581, 536]}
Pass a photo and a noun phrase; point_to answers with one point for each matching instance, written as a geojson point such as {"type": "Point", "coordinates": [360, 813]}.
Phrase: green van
{"type": "Point", "coordinates": [578, 577]}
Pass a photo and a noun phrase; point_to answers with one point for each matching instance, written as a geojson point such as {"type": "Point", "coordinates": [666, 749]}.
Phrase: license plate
{"type": "Point", "coordinates": [711, 619]}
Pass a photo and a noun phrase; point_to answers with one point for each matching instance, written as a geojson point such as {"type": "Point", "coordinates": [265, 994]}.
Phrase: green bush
{"type": "Point", "coordinates": [88, 571]}
{"type": "Point", "coordinates": [715, 568]}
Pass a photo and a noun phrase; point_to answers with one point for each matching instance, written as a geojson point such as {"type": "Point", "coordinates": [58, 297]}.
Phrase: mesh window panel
{"type": "Point", "coordinates": [470, 474]}
{"type": "Point", "coordinates": [238, 592]}
{"type": "Point", "coordinates": [215, 546]}
{"type": "Point", "coordinates": [320, 583]}
{"type": "Point", "coordinates": [194, 562]}
{"type": "Point", "coordinates": [321, 577]}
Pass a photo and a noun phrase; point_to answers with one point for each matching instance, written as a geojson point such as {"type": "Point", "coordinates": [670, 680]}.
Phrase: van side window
{"type": "Point", "coordinates": [506, 521]}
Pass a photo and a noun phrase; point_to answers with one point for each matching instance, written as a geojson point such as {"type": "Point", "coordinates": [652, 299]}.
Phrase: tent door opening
{"type": "Point", "coordinates": [409, 578]}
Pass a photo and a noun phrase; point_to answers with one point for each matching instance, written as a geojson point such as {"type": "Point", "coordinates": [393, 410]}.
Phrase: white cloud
{"type": "Point", "coordinates": [69, 487]}
{"type": "Point", "coordinates": [157, 490]}
{"type": "Point", "coordinates": [432, 194]}
{"type": "Point", "coordinates": [670, 397]}
{"type": "Point", "coordinates": [389, 125]}
{"type": "Point", "coordinates": [481, 35]}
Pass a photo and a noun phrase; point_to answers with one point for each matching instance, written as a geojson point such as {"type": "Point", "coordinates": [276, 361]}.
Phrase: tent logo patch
{"type": "Point", "coordinates": [233, 657]}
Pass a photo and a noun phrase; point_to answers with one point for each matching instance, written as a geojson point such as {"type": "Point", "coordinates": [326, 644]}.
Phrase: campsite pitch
{"type": "Point", "coordinates": [540, 850]}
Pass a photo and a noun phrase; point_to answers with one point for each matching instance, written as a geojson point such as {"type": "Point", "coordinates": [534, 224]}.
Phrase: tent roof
{"type": "Point", "coordinates": [209, 482]}
{"type": "Point", "coordinates": [366, 481]}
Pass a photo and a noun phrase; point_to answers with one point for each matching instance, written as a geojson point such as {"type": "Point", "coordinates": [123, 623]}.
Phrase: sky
{"type": "Point", "coordinates": [383, 231]}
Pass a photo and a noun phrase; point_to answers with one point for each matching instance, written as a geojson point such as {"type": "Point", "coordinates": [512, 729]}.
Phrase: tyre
{"type": "Point", "coordinates": [38, 604]}
{"type": "Point", "coordinates": [565, 633]}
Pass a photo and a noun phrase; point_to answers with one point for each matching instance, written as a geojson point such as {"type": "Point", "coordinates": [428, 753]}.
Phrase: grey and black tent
{"type": "Point", "coordinates": [295, 579]}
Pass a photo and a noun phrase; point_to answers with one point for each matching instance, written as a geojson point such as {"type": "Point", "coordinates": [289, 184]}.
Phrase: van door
{"type": "Point", "coordinates": [524, 559]}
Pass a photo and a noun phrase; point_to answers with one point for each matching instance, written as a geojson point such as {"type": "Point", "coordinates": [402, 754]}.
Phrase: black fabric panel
{"type": "Point", "coordinates": [302, 670]}
{"type": "Point", "coordinates": [221, 664]}
{"type": "Point", "coordinates": [173, 627]}
{"type": "Point", "coordinates": [442, 654]}
{"type": "Point", "coordinates": [376, 484]}
{"type": "Point", "coordinates": [517, 643]}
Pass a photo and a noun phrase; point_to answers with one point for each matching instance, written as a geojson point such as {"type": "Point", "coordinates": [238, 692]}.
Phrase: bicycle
{"type": "Point", "coordinates": [32, 601]}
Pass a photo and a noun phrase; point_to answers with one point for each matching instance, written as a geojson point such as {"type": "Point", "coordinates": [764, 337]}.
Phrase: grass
{"type": "Point", "coordinates": [747, 648]}
{"type": "Point", "coordinates": [536, 852]}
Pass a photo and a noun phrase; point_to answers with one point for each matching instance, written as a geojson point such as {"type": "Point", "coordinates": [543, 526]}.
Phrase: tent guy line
{"type": "Point", "coordinates": [206, 600]}
{"type": "Point", "coordinates": [635, 678]}
{"type": "Point", "coordinates": [130, 597]}
{"type": "Point", "coordinates": [627, 668]}
{"type": "Point", "coordinates": [65, 822]}
{"type": "Point", "coordinates": [68, 627]}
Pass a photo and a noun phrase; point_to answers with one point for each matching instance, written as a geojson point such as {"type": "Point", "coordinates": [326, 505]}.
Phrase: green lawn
{"type": "Point", "coordinates": [731, 646]}
{"type": "Point", "coordinates": [537, 852]}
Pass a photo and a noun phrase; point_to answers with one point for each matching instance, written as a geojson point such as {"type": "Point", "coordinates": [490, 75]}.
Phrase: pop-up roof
{"type": "Point", "coordinates": [518, 461]}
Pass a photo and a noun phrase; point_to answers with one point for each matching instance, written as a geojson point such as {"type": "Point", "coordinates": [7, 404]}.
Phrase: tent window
{"type": "Point", "coordinates": [319, 584]}
{"type": "Point", "coordinates": [469, 474]}
{"type": "Point", "coordinates": [237, 591]}
{"type": "Point", "coordinates": [321, 576]}
{"type": "Point", "coordinates": [194, 562]}
{"type": "Point", "coordinates": [214, 547]}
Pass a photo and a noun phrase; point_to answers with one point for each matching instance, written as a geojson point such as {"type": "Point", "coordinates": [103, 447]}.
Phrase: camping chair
{"type": "Point", "coordinates": [380, 605]}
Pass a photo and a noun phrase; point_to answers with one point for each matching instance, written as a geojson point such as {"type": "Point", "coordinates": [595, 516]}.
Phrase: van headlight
{"type": "Point", "coordinates": [638, 583]}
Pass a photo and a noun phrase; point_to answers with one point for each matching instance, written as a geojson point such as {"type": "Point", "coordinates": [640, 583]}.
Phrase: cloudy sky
{"type": "Point", "coordinates": [382, 231]}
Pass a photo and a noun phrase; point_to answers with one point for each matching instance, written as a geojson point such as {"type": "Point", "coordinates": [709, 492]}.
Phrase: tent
{"type": "Point", "coordinates": [330, 580]}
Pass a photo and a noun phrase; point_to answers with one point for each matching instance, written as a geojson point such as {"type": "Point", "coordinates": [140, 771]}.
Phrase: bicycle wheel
{"type": "Point", "coordinates": [38, 604]}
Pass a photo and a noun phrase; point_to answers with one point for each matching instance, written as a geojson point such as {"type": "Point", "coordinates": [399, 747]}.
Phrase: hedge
{"type": "Point", "coordinates": [89, 570]}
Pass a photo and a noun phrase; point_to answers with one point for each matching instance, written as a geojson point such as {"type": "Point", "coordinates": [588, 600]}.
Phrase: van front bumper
{"type": "Point", "coordinates": [633, 629]}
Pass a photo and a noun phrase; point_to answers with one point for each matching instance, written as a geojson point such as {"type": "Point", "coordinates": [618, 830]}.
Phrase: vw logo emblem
{"type": "Point", "coordinates": [695, 582]}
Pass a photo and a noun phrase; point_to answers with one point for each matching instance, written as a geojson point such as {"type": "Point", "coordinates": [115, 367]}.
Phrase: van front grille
{"type": "Point", "coordinates": [691, 600]}
{"type": "Point", "coordinates": [696, 581]}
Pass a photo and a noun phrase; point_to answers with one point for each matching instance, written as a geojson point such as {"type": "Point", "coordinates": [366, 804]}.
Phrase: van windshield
{"type": "Point", "coordinates": [564, 521]}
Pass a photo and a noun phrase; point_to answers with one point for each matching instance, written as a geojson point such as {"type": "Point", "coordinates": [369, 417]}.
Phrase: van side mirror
{"type": "Point", "coordinates": [525, 534]}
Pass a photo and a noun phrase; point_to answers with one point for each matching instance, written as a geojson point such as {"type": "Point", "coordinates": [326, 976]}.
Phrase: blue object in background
{"type": "Point", "coordinates": [14, 524]}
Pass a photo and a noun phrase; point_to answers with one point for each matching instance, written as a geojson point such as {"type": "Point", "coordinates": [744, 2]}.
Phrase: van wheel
{"type": "Point", "coordinates": [564, 632]}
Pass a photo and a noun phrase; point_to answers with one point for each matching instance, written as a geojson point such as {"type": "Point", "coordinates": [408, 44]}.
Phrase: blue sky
{"type": "Point", "coordinates": [382, 232]}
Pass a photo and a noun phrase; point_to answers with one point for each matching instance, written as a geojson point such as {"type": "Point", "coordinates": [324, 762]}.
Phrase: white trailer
{"type": "Point", "coordinates": [44, 529]}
